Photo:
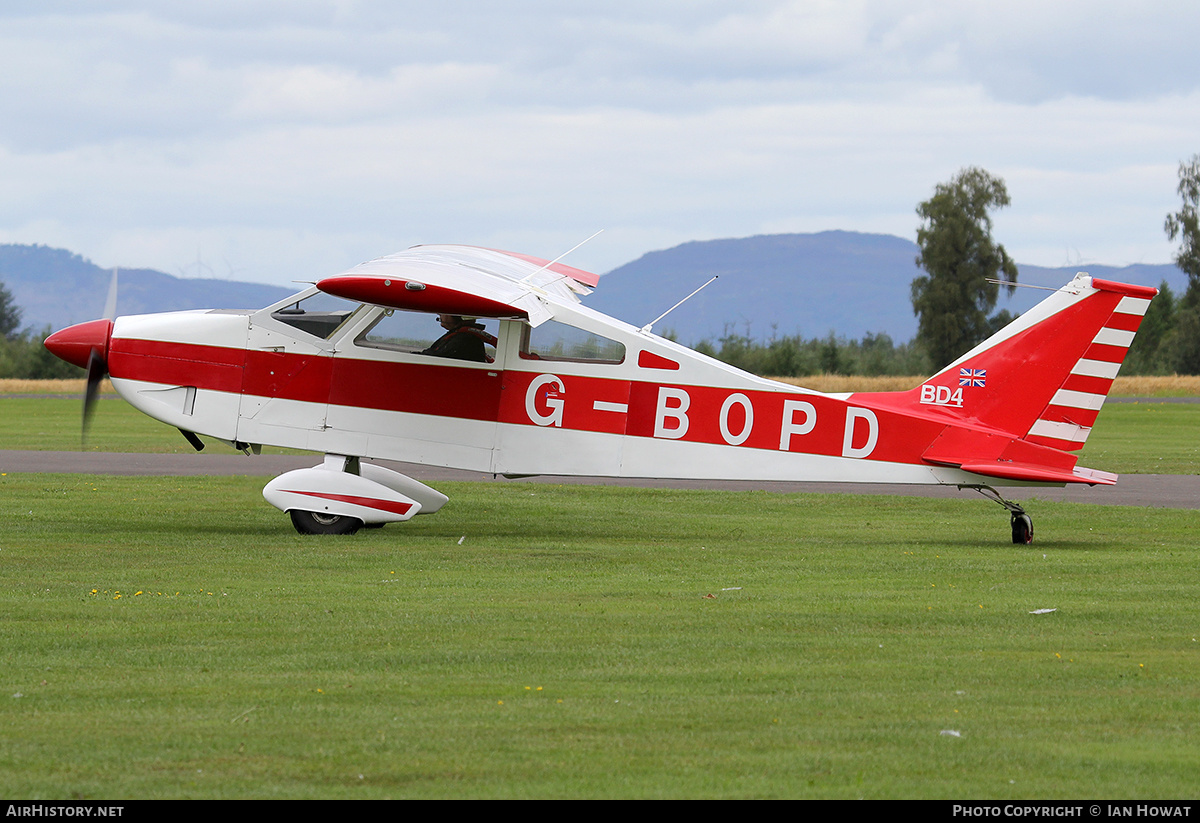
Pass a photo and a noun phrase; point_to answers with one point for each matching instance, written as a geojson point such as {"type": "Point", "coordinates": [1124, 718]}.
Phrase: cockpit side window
{"type": "Point", "coordinates": [319, 315]}
{"type": "Point", "coordinates": [553, 340]}
{"type": "Point", "coordinates": [423, 333]}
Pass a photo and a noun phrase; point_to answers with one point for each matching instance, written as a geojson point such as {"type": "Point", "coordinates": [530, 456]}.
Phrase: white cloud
{"type": "Point", "coordinates": [281, 137]}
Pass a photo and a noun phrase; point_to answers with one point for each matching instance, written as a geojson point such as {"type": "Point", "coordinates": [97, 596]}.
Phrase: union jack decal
{"type": "Point", "coordinates": [972, 377]}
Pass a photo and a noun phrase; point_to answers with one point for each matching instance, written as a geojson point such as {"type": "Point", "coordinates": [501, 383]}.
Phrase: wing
{"type": "Point", "coordinates": [466, 280]}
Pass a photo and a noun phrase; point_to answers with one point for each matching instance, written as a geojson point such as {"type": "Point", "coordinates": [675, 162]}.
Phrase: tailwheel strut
{"type": "Point", "coordinates": [1022, 525]}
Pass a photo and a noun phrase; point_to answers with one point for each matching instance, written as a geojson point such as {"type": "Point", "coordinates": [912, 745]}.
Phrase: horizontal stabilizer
{"type": "Point", "coordinates": [1040, 474]}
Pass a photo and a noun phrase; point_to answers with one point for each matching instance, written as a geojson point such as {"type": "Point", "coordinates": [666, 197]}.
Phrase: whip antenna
{"type": "Point", "coordinates": [560, 257]}
{"type": "Point", "coordinates": [646, 327]}
{"type": "Point", "coordinates": [1013, 284]}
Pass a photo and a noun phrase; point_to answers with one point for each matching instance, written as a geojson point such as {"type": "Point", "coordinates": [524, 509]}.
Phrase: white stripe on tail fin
{"type": "Point", "coordinates": [1066, 421]}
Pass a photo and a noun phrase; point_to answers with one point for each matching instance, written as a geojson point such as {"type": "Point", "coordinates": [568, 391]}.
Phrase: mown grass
{"type": "Point", "coordinates": [169, 637]}
{"type": "Point", "coordinates": [1145, 438]}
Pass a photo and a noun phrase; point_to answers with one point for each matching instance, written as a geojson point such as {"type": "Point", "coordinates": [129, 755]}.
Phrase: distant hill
{"type": "Point", "coordinates": [783, 284]}
{"type": "Point", "coordinates": [57, 288]}
{"type": "Point", "coordinates": [807, 284]}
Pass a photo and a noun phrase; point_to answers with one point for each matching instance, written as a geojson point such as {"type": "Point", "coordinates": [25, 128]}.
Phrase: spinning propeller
{"type": "Point", "coordinates": [86, 346]}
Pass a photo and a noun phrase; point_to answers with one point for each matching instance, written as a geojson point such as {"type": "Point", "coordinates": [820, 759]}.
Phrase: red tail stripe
{"type": "Point", "coordinates": [1069, 414]}
{"type": "Point", "coordinates": [1087, 384]}
{"type": "Point", "coordinates": [1108, 354]}
{"type": "Point", "coordinates": [1124, 322]}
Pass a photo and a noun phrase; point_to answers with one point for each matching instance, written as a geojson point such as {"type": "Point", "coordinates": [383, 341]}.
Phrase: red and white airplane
{"type": "Point", "coordinates": [349, 368]}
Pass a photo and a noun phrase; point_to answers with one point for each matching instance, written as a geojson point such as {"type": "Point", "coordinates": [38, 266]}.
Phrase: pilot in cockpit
{"type": "Point", "coordinates": [464, 339]}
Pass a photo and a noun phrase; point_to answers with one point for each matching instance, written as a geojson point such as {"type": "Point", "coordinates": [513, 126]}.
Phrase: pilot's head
{"type": "Point", "coordinates": [450, 322]}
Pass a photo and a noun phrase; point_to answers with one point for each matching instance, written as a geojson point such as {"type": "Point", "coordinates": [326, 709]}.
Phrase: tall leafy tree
{"type": "Point", "coordinates": [1150, 351]}
{"type": "Point", "coordinates": [954, 299]}
{"type": "Point", "coordinates": [10, 314]}
{"type": "Point", "coordinates": [1184, 225]}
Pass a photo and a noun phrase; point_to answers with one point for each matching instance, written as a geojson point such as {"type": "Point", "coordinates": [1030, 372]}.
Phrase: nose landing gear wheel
{"type": "Point", "coordinates": [323, 523]}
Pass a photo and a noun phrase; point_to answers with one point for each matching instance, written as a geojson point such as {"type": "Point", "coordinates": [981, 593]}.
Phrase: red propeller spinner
{"type": "Point", "coordinates": [77, 343]}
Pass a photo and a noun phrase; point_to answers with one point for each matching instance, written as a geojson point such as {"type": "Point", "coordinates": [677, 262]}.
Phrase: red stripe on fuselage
{"type": "Point", "coordinates": [179, 364]}
{"type": "Point", "coordinates": [291, 376]}
{"type": "Point", "coordinates": [724, 416]}
{"type": "Point", "coordinates": [415, 388]}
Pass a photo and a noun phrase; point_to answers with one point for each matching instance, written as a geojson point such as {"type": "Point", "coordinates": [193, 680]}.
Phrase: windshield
{"type": "Point", "coordinates": [319, 314]}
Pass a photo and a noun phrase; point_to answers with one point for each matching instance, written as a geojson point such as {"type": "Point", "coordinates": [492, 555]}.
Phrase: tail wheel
{"type": "Point", "coordinates": [324, 523]}
{"type": "Point", "coordinates": [1022, 526]}
{"type": "Point", "coordinates": [1022, 529]}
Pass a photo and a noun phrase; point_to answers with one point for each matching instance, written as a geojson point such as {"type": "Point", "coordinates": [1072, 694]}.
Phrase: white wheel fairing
{"type": "Point", "coordinates": [328, 492]}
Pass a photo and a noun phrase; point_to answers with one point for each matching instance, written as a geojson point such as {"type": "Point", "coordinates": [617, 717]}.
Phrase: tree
{"type": "Point", "coordinates": [1184, 225]}
{"type": "Point", "coordinates": [954, 299]}
{"type": "Point", "coordinates": [1150, 351]}
{"type": "Point", "coordinates": [10, 314]}
{"type": "Point", "coordinates": [1184, 342]}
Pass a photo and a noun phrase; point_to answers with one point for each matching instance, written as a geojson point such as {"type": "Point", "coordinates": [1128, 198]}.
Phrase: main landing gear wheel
{"type": "Point", "coordinates": [322, 523]}
{"type": "Point", "coordinates": [1022, 525]}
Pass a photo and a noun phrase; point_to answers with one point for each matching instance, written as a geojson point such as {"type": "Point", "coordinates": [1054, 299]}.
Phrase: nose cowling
{"type": "Point", "coordinates": [75, 344]}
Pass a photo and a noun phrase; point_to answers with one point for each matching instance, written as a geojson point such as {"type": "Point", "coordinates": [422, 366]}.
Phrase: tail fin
{"type": "Point", "coordinates": [1044, 377]}
{"type": "Point", "coordinates": [1040, 382]}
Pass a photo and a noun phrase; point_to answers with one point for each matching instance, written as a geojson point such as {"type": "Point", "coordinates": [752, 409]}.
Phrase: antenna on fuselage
{"type": "Point", "coordinates": [647, 327]}
{"type": "Point", "coordinates": [1014, 284]}
{"type": "Point", "coordinates": [560, 257]}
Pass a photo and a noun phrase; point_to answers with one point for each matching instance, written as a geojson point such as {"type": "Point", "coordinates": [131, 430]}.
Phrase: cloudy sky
{"type": "Point", "coordinates": [273, 140]}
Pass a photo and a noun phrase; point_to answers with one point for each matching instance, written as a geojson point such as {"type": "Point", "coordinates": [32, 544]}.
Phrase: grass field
{"type": "Point", "coordinates": [173, 638]}
{"type": "Point", "coordinates": [1145, 438]}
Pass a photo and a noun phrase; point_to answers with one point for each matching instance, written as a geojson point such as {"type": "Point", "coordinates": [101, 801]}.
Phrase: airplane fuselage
{"type": "Point", "coordinates": [661, 410]}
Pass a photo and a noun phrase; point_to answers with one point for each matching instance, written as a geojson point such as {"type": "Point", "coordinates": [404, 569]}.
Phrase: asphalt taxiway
{"type": "Point", "coordinates": [1156, 490]}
